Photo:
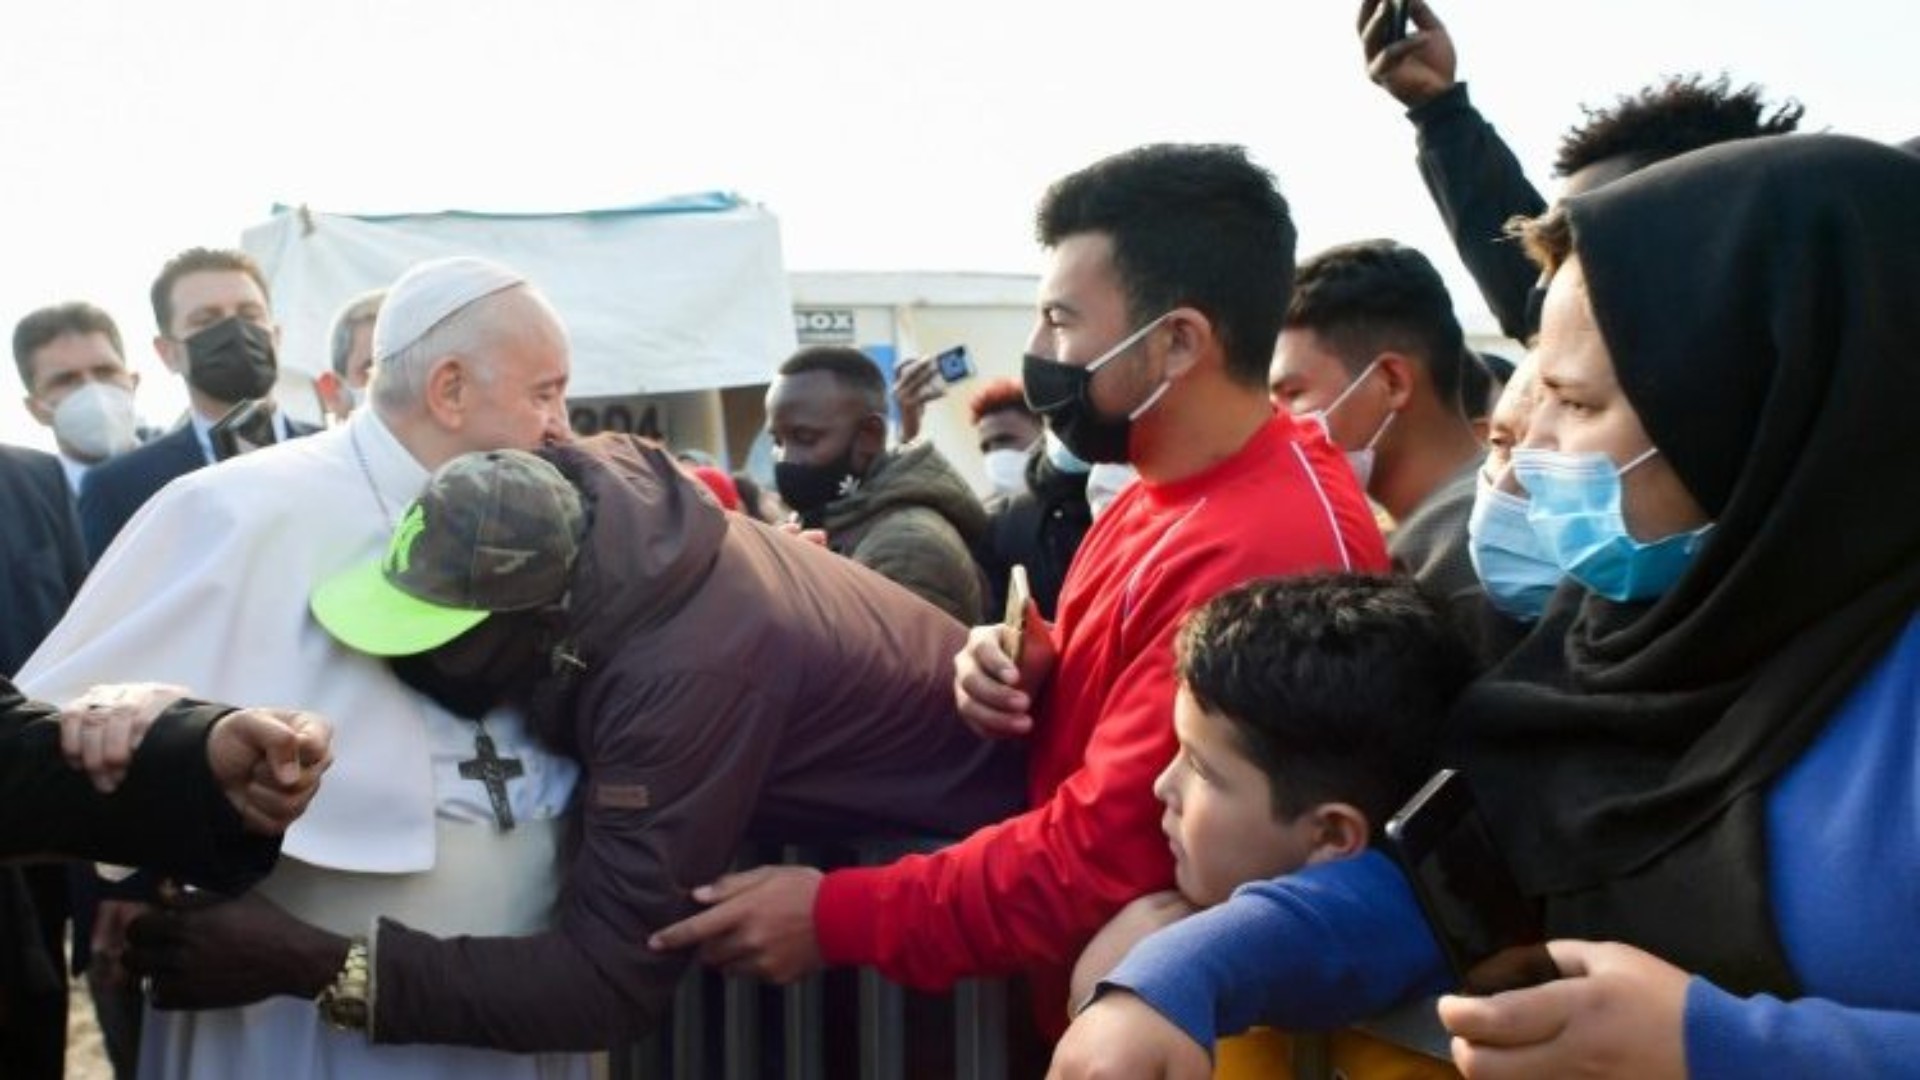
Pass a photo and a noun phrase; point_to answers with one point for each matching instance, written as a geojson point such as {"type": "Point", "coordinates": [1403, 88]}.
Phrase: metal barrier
{"type": "Point", "coordinates": [749, 1046]}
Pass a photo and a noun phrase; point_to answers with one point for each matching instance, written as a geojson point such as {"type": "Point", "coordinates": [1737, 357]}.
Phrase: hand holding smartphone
{"type": "Point", "coordinates": [1024, 635]}
{"type": "Point", "coordinates": [1490, 931]}
{"type": "Point", "coordinates": [1398, 12]}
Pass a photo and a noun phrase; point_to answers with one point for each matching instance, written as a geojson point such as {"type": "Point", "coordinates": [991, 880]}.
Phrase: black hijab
{"type": "Point", "coordinates": [1761, 302]}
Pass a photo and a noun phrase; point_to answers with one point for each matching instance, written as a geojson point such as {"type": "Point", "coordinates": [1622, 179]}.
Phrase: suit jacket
{"type": "Point", "coordinates": [42, 558]}
{"type": "Point", "coordinates": [169, 814]}
{"type": "Point", "coordinates": [117, 488]}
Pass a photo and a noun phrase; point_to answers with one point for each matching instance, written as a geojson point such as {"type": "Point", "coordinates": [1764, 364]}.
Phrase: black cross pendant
{"type": "Point", "coordinates": [488, 767]}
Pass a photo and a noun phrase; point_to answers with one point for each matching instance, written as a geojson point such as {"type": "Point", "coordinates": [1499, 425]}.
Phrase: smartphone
{"type": "Point", "coordinates": [247, 426]}
{"type": "Point", "coordinates": [1013, 634]}
{"type": "Point", "coordinates": [1397, 15]}
{"type": "Point", "coordinates": [953, 364]}
{"type": "Point", "coordinates": [1490, 931]}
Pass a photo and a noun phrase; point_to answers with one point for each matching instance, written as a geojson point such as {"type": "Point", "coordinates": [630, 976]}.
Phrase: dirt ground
{"type": "Point", "coordinates": [86, 1054]}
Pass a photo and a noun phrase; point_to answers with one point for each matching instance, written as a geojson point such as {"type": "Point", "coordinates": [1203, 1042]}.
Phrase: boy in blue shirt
{"type": "Point", "coordinates": [1306, 714]}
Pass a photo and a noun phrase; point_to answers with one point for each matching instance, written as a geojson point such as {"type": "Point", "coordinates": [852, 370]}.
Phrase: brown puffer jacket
{"type": "Point", "coordinates": [913, 520]}
{"type": "Point", "coordinates": [734, 683]}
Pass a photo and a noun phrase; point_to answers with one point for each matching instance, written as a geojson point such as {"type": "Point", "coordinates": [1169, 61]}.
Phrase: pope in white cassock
{"type": "Point", "coordinates": [207, 587]}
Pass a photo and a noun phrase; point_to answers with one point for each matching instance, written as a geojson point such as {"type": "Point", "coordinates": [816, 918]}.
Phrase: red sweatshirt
{"type": "Point", "coordinates": [1027, 894]}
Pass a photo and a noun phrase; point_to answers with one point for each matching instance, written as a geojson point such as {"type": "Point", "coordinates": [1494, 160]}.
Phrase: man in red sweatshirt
{"type": "Point", "coordinates": [1169, 271]}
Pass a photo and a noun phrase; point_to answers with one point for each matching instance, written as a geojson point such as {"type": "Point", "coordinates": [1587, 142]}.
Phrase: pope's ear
{"type": "Point", "coordinates": [446, 391]}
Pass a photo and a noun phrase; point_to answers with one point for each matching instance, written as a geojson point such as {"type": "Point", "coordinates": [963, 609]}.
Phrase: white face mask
{"type": "Point", "coordinates": [1104, 482]}
{"type": "Point", "coordinates": [96, 422]}
{"type": "Point", "coordinates": [1007, 471]}
{"type": "Point", "coordinates": [1361, 460]}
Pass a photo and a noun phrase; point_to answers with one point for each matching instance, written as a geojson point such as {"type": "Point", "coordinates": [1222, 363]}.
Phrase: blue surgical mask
{"type": "Point", "coordinates": [1062, 458]}
{"type": "Point", "coordinates": [1516, 570]}
{"type": "Point", "coordinates": [1574, 508]}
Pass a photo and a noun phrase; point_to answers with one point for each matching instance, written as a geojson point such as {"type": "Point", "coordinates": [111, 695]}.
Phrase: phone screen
{"type": "Point", "coordinates": [1488, 928]}
{"type": "Point", "coordinates": [953, 364]}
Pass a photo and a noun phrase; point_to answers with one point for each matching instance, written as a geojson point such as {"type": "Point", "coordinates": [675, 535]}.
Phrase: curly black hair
{"type": "Point", "coordinates": [1669, 118]}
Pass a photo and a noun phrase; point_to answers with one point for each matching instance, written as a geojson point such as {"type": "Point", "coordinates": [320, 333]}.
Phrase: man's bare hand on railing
{"type": "Point", "coordinates": [760, 924]}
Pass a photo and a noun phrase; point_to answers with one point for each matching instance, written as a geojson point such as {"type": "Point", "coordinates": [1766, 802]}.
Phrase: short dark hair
{"type": "Point", "coordinates": [1197, 226]}
{"type": "Point", "coordinates": [997, 396]}
{"type": "Point", "coordinates": [40, 328]}
{"type": "Point", "coordinates": [193, 261]}
{"type": "Point", "coordinates": [1335, 684]}
{"type": "Point", "coordinates": [850, 367]}
{"type": "Point", "coordinates": [1669, 118]}
{"type": "Point", "coordinates": [1373, 295]}
{"type": "Point", "coordinates": [1482, 377]}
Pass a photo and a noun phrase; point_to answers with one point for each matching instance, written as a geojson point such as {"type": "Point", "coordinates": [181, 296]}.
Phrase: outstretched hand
{"type": "Point", "coordinates": [760, 924]}
{"type": "Point", "coordinates": [1417, 68]}
{"type": "Point", "coordinates": [915, 382]}
{"type": "Point", "coordinates": [268, 763]}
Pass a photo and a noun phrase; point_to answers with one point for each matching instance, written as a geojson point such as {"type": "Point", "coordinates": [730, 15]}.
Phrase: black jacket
{"type": "Point", "coordinates": [1477, 184]}
{"type": "Point", "coordinates": [1040, 529]}
{"type": "Point", "coordinates": [42, 558]}
{"type": "Point", "coordinates": [168, 815]}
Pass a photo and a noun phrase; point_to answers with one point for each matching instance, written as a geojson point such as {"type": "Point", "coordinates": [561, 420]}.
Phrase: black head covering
{"type": "Point", "coordinates": [1761, 302]}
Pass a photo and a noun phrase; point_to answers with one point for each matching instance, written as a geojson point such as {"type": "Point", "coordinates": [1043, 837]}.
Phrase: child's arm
{"type": "Point", "coordinates": [1111, 944]}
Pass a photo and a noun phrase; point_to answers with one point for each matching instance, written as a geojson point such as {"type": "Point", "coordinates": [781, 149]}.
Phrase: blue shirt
{"type": "Point", "coordinates": [1341, 941]}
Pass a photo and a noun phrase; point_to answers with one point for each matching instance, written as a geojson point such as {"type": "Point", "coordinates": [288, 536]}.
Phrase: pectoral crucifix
{"type": "Point", "coordinates": [488, 767]}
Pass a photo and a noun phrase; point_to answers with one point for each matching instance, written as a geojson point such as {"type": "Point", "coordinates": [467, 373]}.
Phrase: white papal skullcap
{"type": "Point", "coordinates": [429, 292]}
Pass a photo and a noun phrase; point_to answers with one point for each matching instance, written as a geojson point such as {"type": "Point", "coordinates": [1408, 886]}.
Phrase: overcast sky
{"type": "Point", "coordinates": [886, 135]}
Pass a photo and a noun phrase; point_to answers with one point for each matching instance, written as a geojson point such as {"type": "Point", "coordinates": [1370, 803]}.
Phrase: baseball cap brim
{"type": "Point", "coordinates": [364, 611]}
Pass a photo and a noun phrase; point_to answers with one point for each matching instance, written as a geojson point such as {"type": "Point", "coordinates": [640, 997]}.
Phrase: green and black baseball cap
{"type": "Point", "coordinates": [494, 531]}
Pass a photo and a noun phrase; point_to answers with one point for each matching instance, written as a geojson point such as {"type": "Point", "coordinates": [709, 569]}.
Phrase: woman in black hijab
{"type": "Point", "coordinates": [1707, 748]}
{"type": "Point", "coordinates": [1704, 761]}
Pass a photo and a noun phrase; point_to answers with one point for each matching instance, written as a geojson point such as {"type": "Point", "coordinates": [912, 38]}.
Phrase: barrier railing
{"type": "Point", "coordinates": [746, 1043]}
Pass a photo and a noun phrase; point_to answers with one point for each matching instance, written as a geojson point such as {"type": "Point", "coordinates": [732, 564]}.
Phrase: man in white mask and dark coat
{"type": "Point", "coordinates": [207, 587]}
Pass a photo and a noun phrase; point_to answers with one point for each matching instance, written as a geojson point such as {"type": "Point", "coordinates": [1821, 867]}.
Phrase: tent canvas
{"type": "Point", "coordinates": [686, 294]}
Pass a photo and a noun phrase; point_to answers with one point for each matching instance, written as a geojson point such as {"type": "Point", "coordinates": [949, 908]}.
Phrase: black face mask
{"type": "Point", "coordinates": [232, 360]}
{"type": "Point", "coordinates": [496, 661]}
{"type": "Point", "coordinates": [1062, 395]}
{"type": "Point", "coordinates": [810, 489]}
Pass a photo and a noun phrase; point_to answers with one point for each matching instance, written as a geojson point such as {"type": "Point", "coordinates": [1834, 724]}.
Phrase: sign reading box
{"type": "Point", "coordinates": [823, 326]}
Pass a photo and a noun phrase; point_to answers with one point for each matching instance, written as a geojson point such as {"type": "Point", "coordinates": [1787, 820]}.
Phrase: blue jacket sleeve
{"type": "Point", "coordinates": [1733, 1037]}
{"type": "Point", "coordinates": [1316, 949]}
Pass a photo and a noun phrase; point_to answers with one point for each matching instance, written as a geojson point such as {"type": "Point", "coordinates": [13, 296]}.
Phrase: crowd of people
{"type": "Point", "coordinates": [1259, 545]}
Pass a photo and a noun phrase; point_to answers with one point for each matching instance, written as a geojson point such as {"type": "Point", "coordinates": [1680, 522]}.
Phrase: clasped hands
{"type": "Point", "coordinates": [267, 762]}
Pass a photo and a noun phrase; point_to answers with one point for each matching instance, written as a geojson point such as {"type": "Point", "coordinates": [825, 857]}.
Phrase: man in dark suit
{"type": "Point", "coordinates": [217, 332]}
{"type": "Point", "coordinates": [42, 561]}
{"type": "Point", "coordinates": [42, 558]}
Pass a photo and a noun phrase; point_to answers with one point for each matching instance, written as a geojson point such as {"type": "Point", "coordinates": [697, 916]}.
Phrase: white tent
{"type": "Point", "coordinates": [686, 294]}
